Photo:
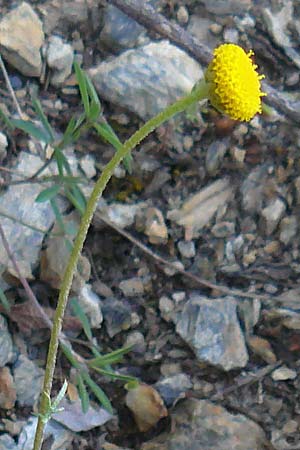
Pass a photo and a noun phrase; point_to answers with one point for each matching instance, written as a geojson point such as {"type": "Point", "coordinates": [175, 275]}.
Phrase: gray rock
{"type": "Point", "coordinates": [28, 381]}
{"type": "Point", "coordinates": [119, 214]}
{"type": "Point", "coordinates": [215, 155]}
{"type": "Point", "coordinates": [21, 39]}
{"type": "Point", "coordinates": [60, 59]}
{"type": "Point", "coordinates": [225, 7]}
{"type": "Point", "coordinates": [61, 14]}
{"type": "Point", "coordinates": [202, 425]}
{"type": "Point", "coordinates": [278, 26]}
{"type": "Point", "coordinates": [60, 437]}
{"type": "Point", "coordinates": [117, 316]}
{"type": "Point", "coordinates": [212, 329]}
{"type": "Point", "coordinates": [75, 419]}
{"type": "Point", "coordinates": [3, 146]}
{"type": "Point", "coordinates": [132, 287]}
{"type": "Point", "coordinates": [288, 229]}
{"type": "Point", "coordinates": [120, 32]}
{"type": "Point", "coordinates": [200, 27]}
{"type": "Point", "coordinates": [187, 248]}
{"type": "Point", "coordinates": [223, 229]}
{"type": "Point", "coordinates": [283, 374]}
{"type": "Point", "coordinates": [147, 79]}
{"type": "Point", "coordinates": [166, 307]}
{"type": "Point", "coordinates": [6, 345]}
{"type": "Point", "coordinates": [174, 387]}
{"type": "Point", "coordinates": [272, 214]}
{"type": "Point", "coordinates": [7, 442]}
{"type": "Point", "coordinates": [137, 340]}
{"type": "Point", "coordinates": [252, 189]}
{"type": "Point", "coordinates": [90, 303]}
{"type": "Point", "coordinates": [19, 204]}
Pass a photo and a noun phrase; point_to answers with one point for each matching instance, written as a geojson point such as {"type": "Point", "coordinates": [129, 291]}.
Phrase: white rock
{"type": "Point", "coordinates": [90, 303]}
{"type": "Point", "coordinates": [283, 374]}
{"type": "Point", "coordinates": [60, 59]}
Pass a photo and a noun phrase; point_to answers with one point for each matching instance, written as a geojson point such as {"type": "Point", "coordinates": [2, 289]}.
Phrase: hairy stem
{"type": "Point", "coordinates": [196, 95]}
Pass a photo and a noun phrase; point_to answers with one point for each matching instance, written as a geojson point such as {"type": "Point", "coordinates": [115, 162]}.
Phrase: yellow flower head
{"type": "Point", "coordinates": [234, 84]}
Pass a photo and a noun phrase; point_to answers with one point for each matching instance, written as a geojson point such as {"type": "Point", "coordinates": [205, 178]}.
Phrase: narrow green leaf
{"type": "Point", "coordinates": [81, 78]}
{"type": "Point", "coordinates": [76, 197]}
{"type": "Point", "coordinates": [111, 358]}
{"type": "Point", "coordinates": [60, 396]}
{"type": "Point", "coordinates": [114, 375]}
{"type": "Point", "coordinates": [48, 194]}
{"type": "Point", "coordinates": [69, 355]}
{"type": "Point", "coordinates": [6, 120]}
{"type": "Point", "coordinates": [41, 115]}
{"type": "Point", "coordinates": [32, 129]}
{"type": "Point", "coordinates": [97, 391]}
{"type": "Point", "coordinates": [78, 311]}
{"type": "Point", "coordinates": [92, 92]}
{"type": "Point", "coordinates": [83, 394]}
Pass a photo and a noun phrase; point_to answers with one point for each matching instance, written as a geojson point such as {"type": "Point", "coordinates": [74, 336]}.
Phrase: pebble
{"type": "Point", "coordinates": [117, 316]}
{"type": "Point", "coordinates": [212, 329]}
{"type": "Point", "coordinates": [87, 164]}
{"type": "Point", "coordinates": [223, 229]}
{"type": "Point", "coordinates": [6, 345]}
{"type": "Point", "coordinates": [90, 303]}
{"type": "Point", "coordinates": [187, 249]}
{"type": "Point", "coordinates": [225, 7]}
{"type": "Point", "coordinates": [231, 35]}
{"type": "Point", "coordinates": [130, 79]}
{"type": "Point", "coordinates": [272, 214]}
{"type": "Point", "coordinates": [166, 307]}
{"type": "Point", "coordinates": [137, 340]}
{"type": "Point", "coordinates": [21, 39]}
{"type": "Point", "coordinates": [28, 380]}
{"type": "Point", "coordinates": [3, 146]}
{"type": "Point", "coordinates": [60, 57]}
{"type": "Point", "coordinates": [283, 374]}
{"type": "Point", "coordinates": [174, 387]}
{"type": "Point", "coordinates": [182, 15]}
{"type": "Point", "coordinates": [155, 227]}
{"type": "Point", "coordinates": [7, 389]}
{"type": "Point", "coordinates": [120, 214]}
{"type": "Point", "coordinates": [288, 229]}
{"type": "Point", "coordinates": [215, 155]}
{"type": "Point", "coordinates": [132, 287]}
{"type": "Point", "coordinates": [201, 424]}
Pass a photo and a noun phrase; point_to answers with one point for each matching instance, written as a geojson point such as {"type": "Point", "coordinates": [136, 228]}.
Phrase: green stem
{"type": "Point", "coordinates": [199, 93]}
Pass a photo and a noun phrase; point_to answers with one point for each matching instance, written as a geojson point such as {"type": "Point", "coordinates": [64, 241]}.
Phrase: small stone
{"type": "Point", "coordinates": [224, 7]}
{"type": "Point", "coordinates": [6, 345]}
{"type": "Point", "coordinates": [223, 229]}
{"type": "Point", "coordinates": [21, 39]}
{"type": "Point", "coordinates": [87, 164]}
{"type": "Point", "coordinates": [7, 442]}
{"type": "Point", "coordinates": [117, 316]}
{"type": "Point", "coordinates": [178, 296]}
{"type": "Point", "coordinates": [166, 307]}
{"type": "Point", "coordinates": [288, 229]}
{"type": "Point", "coordinates": [272, 247]}
{"type": "Point", "coordinates": [137, 341]}
{"type": "Point", "coordinates": [283, 374]}
{"type": "Point", "coordinates": [146, 405]}
{"type": "Point", "coordinates": [7, 389]}
{"type": "Point", "coordinates": [187, 248]}
{"type": "Point", "coordinates": [90, 303]}
{"type": "Point", "coordinates": [174, 387]}
{"type": "Point", "coordinates": [155, 227]}
{"type": "Point", "coordinates": [272, 214]}
{"type": "Point", "coordinates": [262, 348]}
{"type": "Point", "coordinates": [231, 35]}
{"type": "Point", "coordinates": [60, 59]}
{"type": "Point", "coordinates": [238, 155]}
{"type": "Point", "coordinates": [290, 427]}
{"type": "Point", "coordinates": [182, 15]}
{"type": "Point", "coordinates": [216, 28]}
{"type": "Point", "coordinates": [212, 329]}
{"type": "Point", "coordinates": [171, 271]}
{"type": "Point", "coordinates": [130, 79]}
{"type": "Point", "coordinates": [119, 214]}
{"type": "Point", "coordinates": [132, 287]}
{"type": "Point", "coordinates": [28, 381]}
{"type": "Point", "coordinates": [3, 146]}
{"type": "Point", "coordinates": [215, 155]}
{"type": "Point", "coordinates": [188, 143]}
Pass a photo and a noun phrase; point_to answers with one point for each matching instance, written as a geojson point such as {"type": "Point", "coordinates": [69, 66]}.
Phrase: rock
{"type": "Point", "coordinates": [283, 374]}
{"type": "Point", "coordinates": [25, 243]}
{"type": "Point", "coordinates": [21, 39]}
{"type": "Point", "coordinates": [200, 27]}
{"type": "Point", "coordinates": [7, 442]}
{"type": "Point", "coordinates": [6, 345]}
{"type": "Point", "coordinates": [215, 155]}
{"type": "Point", "coordinates": [262, 348]}
{"type": "Point", "coordinates": [73, 418]}
{"type": "Point", "coordinates": [231, 35]}
{"type": "Point", "coordinates": [90, 303]}
{"type": "Point", "coordinates": [253, 188]}
{"type": "Point", "coordinates": [211, 327]}
{"type": "Point", "coordinates": [147, 79]}
{"type": "Point", "coordinates": [166, 307]}
{"type": "Point", "coordinates": [117, 316]}
{"type": "Point", "coordinates": [187, 249]}
{"type": "Point", "coordinates": [196, 212]}
{"type": "Point", "coordinates": [272, 214]}
{"type": "Point", "coordinates": [173, 388]}
{"type": "Point", "coordinates": [224, 7]}
{"type": "Point", "coordinates": [108, 446]}
{"type": "Point", "coordinates": [7, 389]}
{"type": "Point", "coordinates": [202, 425]}
{"type": "Point", "coordinates": [119, 214]}
{"type": "Point", "coordinates": [87, 164]}
{"type": "Point", "coordinates": [155, 227]}
{"type": "Point", "coordinates": [132, 287]}
{"type": "Point", "coordinates": [3, 146]}
{"type": "Point", "coordinates": [60, 59]}
{"type": "Point", "coordinates": [63, 14]}
{"type": "Point", "coordinates": [288, 229]}
{"type": "Point", "coordinates": [120, 32]}
{"type": "Point", "coordinates": [182, 15]}
{"type": "Point", "coordinates": [28, 381]}
{"type": "Point", "coordinates": [56, 436]}
{"type": "Point", "coordinates": [146, 405]}
{"type": "Point", "coordinates": [223, 229]}
{"type": "Point", "coordinates": [278, 24]}
{"type": "Point", "coordinates": [137, 341]}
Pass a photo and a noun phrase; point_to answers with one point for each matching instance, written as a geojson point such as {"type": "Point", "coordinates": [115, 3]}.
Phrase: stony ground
{"type": "Point", "coordinates": [193, 258]}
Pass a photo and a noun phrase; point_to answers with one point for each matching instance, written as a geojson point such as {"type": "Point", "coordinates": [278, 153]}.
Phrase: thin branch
{"type": "Point", "coordinates": [146, 15]}
{"type": "Point", "coordinates": [200, 281]}
{"type": "Point", "coordinates": [10, 88]}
